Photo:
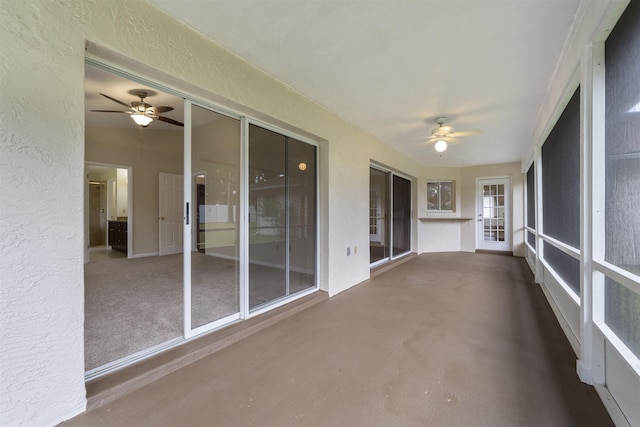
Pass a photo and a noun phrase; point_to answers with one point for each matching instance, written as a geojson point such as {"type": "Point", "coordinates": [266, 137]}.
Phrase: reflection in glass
{"type": "Point", "coordinates": [282, 216]}
{"type": "Point", "coordinates": [302, 215]}
{"type": "Point", "coordinates": [401, 215]}
{"type": "Point", "coordinates": [214, 257]}
{"type": "Point", "coordinates": [441, 195]}
{"type": "Point", "coordinates": [267, 216]}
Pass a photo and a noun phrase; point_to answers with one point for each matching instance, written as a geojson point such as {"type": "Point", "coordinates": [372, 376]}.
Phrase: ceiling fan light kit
{"type": "Point", "coordinates": [141, 119]}
{"type": "Point", "coordinates": [440, 146]}
{"type": "Point", "coordinates": [141, 112]}
{"type": "Point", "coordinates": [443, 135]}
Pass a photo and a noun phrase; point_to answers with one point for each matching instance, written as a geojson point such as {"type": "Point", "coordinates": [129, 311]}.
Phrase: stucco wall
{"type": "Point", "coordinates": [41, 203]}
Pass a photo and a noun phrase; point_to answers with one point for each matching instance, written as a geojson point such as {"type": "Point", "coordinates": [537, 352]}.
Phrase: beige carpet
{"type": "Point", "coordinates": [452, 339]}
{"type": "Point", "coordinates": [134, 304]}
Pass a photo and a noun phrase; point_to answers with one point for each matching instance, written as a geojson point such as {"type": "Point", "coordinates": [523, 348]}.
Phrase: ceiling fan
{"type": "Point", "coordinates": [443, 135]}
{"type": "Point", "coordinates": [141, 112]}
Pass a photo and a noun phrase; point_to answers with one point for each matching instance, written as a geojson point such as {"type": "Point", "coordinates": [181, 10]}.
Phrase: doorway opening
{"type": "Point", "coordinates": [107, 212]}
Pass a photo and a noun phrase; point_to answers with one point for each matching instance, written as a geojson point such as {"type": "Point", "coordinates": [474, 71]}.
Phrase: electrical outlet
{"type": "Point", "coordinates": [348, 251]}
{"type": "Point", "coordinates": [355, 250]}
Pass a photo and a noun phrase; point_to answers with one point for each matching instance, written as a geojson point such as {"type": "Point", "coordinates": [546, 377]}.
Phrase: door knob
{"type": "Point", "coordinates": [162, 218]}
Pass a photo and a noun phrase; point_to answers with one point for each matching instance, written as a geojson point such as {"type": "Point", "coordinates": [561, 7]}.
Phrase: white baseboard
{"type": "Point", "coordinates": [75, 412]}
{"type": "Point", "coordinates": [145, 255]}
{"type": "Point", "coordinates": [573, 340]}
{"type": "Point", "coordinates": [616, 414]}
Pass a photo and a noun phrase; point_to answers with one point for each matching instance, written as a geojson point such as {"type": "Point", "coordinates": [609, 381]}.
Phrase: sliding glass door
{"type": "Point", "coordinates": [212, 285]}
{"type": "Point", "coordinates": [282, 216]}
{"type": "Point", "coordinates": [379, 247]}
{"type": "Point", "coordinates": [389, 215]}
{"type": "Point", "coordinates": [225, 221]}
{"type": "Point", "coordinates": [401, 215]}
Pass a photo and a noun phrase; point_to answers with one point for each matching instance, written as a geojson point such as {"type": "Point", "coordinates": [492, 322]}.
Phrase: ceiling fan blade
{"type": "Point", "coordinates": [110, 111]}
{"type": "Point", "coordinates": [168, 120]}
{"type": "Point", "coordinates": [447, 138]}
{"type": "Point", "coordinates": [159, 110]}
{"type": "Point", "coordinates": [467, 133]}
{"type": "Point", "coordinates": [115, 100]}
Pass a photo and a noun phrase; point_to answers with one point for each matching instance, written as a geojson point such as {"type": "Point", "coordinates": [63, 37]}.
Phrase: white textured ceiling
{"type": "Point", "coordinates": [391, 66]}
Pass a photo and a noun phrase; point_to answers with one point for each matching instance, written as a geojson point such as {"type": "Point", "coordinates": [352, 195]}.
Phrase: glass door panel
{"type": "Point", "coordinates": [267, 216]}
{"type": "Point", "coordinates": [215, 166]}
{"type": "Point", "coordinates": [401, 215]}
{"type": "Point", "coordinates": [379, 244]}
{"type": "Point", "coordinates": [494, 211]}
{"type": "Point", "coordinates": [301, 159]}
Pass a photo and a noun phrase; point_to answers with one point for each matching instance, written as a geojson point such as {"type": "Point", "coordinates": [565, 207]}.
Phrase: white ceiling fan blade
{"type": "Point", "coordinates": [467, 133]}
{"type": "Point", "coordinates": [447, 138]}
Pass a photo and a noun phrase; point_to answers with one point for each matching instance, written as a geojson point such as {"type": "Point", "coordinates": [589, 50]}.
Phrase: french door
{"type": "Point", "coordinates": [493, 214]}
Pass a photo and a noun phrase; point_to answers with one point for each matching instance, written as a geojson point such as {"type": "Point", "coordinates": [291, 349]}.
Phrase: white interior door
{"type": "Point", "coordinates": [494, 214]}
{"type": "Point", "coordinates": [171, 214]}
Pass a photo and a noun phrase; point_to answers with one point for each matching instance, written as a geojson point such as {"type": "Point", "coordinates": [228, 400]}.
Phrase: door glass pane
{"type": "Point", "coordinates": [215, 165]}
{"type": "Point", "coordinates": [267, 216]}
{"type": "Point", "coordinates": [302, 215]}
{"type": "Point", "coordinates": [401, 215]}
{"type": "Point", "coordinates": [493, 212]}
{"type": "Point", "coordinates": [132, 305]}
{"type": "Point", "coordinates": [379, 245]}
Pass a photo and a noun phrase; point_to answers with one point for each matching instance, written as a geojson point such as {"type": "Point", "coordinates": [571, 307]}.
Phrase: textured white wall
{"type": "Point", "coordinates": [41, 199]}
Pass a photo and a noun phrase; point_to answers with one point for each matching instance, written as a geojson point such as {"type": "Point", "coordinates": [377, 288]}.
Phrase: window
{"type": "Point", "coordinates": [561, 194]}
{"type": "Point", "coordinates": [531, 206]}
{"type": "Point", "coordinates": [622, 177]}
{"type": "Point", "coordinates": [441, 196]}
